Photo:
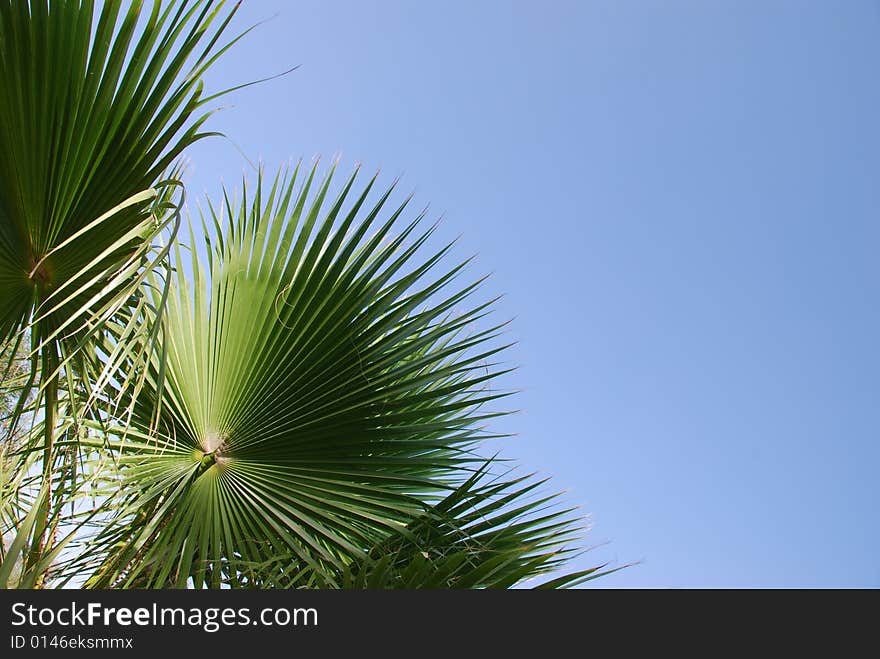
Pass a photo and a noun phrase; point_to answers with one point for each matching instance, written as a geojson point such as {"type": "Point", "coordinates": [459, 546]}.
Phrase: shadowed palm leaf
{"type": "Point", "coordinates": [487, 533]}
{"type": "Point", "coordinates": [94, 111]}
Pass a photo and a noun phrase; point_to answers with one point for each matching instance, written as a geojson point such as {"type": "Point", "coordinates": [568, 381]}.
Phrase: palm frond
{"type": "Point", "coordinates": [322, 386]}
{"type": "Point", "coordinates": [97, 104]}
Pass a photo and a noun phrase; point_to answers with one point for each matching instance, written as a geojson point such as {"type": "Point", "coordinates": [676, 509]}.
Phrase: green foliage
{"type": "Point", "coordinates": [14, 376]}
{"type": "Point", "coordinates": [95, 111]}
{"type": "Point", "coordinates": [297, 397]}
{"type": "Point", "coordinates": [487, 533]}
{"type": "Point", "coordinates": [25, 517]}
{"type": "Point", "coordinates": [97, 104]}
{"type": "Point", "coordinates": [322, 387]}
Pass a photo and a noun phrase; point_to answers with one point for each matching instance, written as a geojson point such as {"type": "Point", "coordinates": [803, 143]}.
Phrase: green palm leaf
{"type": "Point", "coordinates": [94, 111]}
{"type": "Point", "coordinates": [322, 386]}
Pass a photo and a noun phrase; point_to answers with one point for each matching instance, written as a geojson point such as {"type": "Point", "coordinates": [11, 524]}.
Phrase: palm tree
{"type": "Point", "coordinates": [294, 397]}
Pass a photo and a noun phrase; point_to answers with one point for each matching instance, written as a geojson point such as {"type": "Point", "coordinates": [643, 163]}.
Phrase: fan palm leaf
{"type": "Point", "coordinates": [321, 384]}
{"type": "Point", "coordinates": [94, 111]}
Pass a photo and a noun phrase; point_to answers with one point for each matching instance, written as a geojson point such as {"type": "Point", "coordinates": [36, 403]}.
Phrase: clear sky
{"type": "Point", "coordinates": [680, 202]}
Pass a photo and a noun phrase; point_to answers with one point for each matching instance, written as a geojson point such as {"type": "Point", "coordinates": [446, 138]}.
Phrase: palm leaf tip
{"type": "Point", "coordinates": [489, 532]}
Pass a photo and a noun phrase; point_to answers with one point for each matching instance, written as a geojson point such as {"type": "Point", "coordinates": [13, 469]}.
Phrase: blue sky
{"type": "Point", "coordinates": [679, 201]}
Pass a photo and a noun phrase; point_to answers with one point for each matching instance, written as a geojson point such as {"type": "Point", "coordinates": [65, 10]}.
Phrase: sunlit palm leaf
{"type": "Point", "coordinates": [23, 495]}
{"type": "Point", "coordinates": [322, 384]}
